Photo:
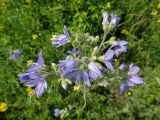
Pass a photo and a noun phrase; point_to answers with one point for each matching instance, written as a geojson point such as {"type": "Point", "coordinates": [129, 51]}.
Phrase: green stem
{"type": "Point", "coordinates": [101, 44]}
{"type": "Point", "coordinates": [84, 98]}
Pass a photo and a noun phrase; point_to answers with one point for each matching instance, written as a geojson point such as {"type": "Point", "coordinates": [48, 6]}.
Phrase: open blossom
{"type": "Point", "coordinates": [61, 39]}
{"type": "Point", "coordinates": [35, 76]}
{"type": "Point", "coordinates": [16, 54]}
{"type": "Point", "coordinates": [95, 70]}
{"type": "Point", "coordinates": [67, 65]}
{"type": "Point", "coordinates": [78, 75]}
{"type": "Point", "coordinates": [119, 47]}
{"type": "Point", "coordinates": [69, 69]}
{"type": "Point", "coordinates": [133, 79]}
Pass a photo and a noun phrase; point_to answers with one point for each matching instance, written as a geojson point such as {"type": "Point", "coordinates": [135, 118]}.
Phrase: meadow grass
{"type": "Point", "coordinates": [21, 20]}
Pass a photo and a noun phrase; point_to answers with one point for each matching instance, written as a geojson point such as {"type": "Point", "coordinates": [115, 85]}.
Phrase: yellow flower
{"type": "Point", "coordinates": [76, 88]}
{"type": "Point", "coordinates": [34, 36]}
{"type": "Point", "coordinates": [158, 5]}
{"type": "Point", "coordinates": [124, 31]}
{"type": "Point", "coordinates": [30, 91]}
{"type": "Point", "coordinates": [29, 62]}
{"type": "Point", "coordinates": [28, 1]}
{"type": "Point", "coordinates": [53, 37]}
{"type": "Point", "coordinates": [129, 93]}
{"type": "Point", "coordinates": [154, 12]}
{"type": "Point", "coordinates": [3, 107]}
{"type": "Point", "coordinates": [108, 5]}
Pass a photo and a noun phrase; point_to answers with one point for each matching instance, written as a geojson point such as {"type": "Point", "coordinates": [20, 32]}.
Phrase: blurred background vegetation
{"type": "Point", "coordinates": [29, 24]}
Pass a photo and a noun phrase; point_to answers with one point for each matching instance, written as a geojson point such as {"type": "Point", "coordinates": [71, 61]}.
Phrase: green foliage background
{"type": "Point", "coordinates": [20, 19]}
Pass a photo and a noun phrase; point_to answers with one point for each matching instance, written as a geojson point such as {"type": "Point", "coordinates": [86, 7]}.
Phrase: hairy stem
{"type": "Point", "coordinates": [84, 98]}
{"type": "Point", "coordinates": [101, 44]}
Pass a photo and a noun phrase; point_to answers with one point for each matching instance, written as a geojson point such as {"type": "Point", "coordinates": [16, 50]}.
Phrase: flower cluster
{"type": "Point", "coordinates": [89, 60]}
{"type": "Point", "coordinates": [79, 66]}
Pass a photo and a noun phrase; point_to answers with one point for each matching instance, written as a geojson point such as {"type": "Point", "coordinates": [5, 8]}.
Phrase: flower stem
{"type": "Point", "coordinates": [84, 98]}
{"type": "Point", "coordinates": [101, 44]}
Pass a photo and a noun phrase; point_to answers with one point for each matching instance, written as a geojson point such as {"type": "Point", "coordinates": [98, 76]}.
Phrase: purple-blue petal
{"type": "Point", "coordinates": [23, 77]}
{"type": "Point", "coordinates": [137, 80]}
{"type": "Point", "coordinates": [72, 74]}
{"type": "Point", "coordinates": [117, 52]}
{"type": "Point", "coordinates": [40, 59]}
{"type": "Point", "coordinates": [33, 75]}
{"type": "Point", "coordinates": [32, 83]}
{"type": "Point", "coordinates": [105, 18]}
{"type": "Point", "coordinates": [57, 112]}
{"type": "Point", "coordinates": [123, 42]}
{"type": "Point", "coordinates": [130, 83]}
{"type": "Point", "coordinates": [34, 67]}
{"type": "Point", "coordinates": [123, 49]}
{"type": "Point", "coordinates": [41, 88]}
{"type": "Point", "coordinates": [92, 75]}
{"type": "Point", "coordinates": [123, 88]}
{"type": "Point", "coordinates": [66, 31]}
{"type": "Point", "coordinates": [109, 54]}
{"type": "Point", "coordinates": [122, 67]}
{"type": "Point", "coordinates": [134, 70]}
{"type": "Point", "coordinates": [16, 54]}
{"type": "Point", "coordinates": [115, 19]}
{"type": "Point", "coordinates": [85, 77]}
{"type": "Point", "coordinates": [94, 68]}
{"type": "Point", "coordinates": [109, 65]}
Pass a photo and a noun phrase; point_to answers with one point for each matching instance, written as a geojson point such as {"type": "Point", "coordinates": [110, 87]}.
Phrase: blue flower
{"type": "Point", "coordinates": [61, 39]}
{"type": "Point", "coordinates": [95, 70]}
{"type": "Point", "coordinates": [35, 77]}
{"type": "Point", "coordinates": [109, 25]}
{"type": "Point", "coordinates": [57, 112]}
{"type": "Point", "coordinates": [67, 65]}
{"type": "Point", "coordinates": [78, 75]}
{"type": "Point", "coordinates": [133, 79]}
{"type": "Point", "coordinates": [119, 47]}
{"type": "Point", "coordinates": [16, 54]}
{"type": "Point", "coordinates": [115, 20]}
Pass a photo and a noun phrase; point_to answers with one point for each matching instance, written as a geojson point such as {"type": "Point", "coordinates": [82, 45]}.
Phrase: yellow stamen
{"type": "Point", "coordinates": [29, 62]}
{"type": "Point", "coordinates": [53, 37]}
{"type": "Point", "coordinates": [3, 107]}
{"type": "Point", "coordinates": [30, 91]}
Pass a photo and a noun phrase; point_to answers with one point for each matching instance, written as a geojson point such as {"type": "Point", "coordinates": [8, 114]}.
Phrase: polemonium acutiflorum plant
{"type": "Point", "coordinates": [90, 63]}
